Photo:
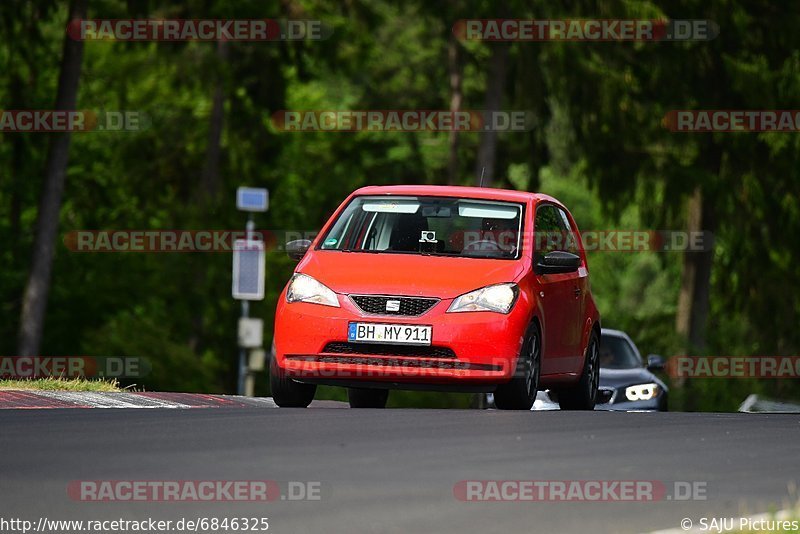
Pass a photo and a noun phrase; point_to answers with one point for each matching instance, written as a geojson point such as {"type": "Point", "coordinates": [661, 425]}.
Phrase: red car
{"type": "Point", "coordinates": [445, 288]}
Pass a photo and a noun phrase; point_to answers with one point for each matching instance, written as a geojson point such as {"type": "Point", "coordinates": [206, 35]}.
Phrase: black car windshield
{"type": "Point", "coordinates": [616, 353]}
{"type": "Point", "coordinates": [438, 226]}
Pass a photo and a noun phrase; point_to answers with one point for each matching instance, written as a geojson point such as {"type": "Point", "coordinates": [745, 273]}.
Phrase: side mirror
{"type": "Point", "coordinates": [655, 362]}
{"type": "Point", "coordinates": [297, 249]}
{"type": "Point", "coordinates": [558, 262]}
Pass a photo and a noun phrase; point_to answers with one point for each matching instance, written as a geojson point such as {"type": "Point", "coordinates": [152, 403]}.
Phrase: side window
{"type": "Point", "coordinates": [571, 236]}
{"type": "Point", "coordinates": [336, 236]}
{"type": "Point", "coordinates": [548, 229]}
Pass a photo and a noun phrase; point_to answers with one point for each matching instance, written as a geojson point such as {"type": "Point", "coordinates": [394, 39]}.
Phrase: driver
{"type": "Point", "coordinates": [496, 235]}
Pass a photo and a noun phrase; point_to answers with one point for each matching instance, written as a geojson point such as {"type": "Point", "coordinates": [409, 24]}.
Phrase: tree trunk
{"type": "Point", "coordinates": [34, 303]}
{"type": "Point", "coordinates": [694, 298]}
{"type": "Point", "coordinates": [495, 88]}
{"type": "Point", "coordinates": [210, 174]}
{"type": "Point", "coordinates": [209, 179]}
{"type": "Point", "coordinates": [456, 70]}
{"type": "Point", "coordinates": [17, 179]}
{"type": "Point", "coordinates": [209, 185]}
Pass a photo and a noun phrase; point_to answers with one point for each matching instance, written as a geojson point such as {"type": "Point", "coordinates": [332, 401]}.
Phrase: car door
{"type": "Point", "coordinates": [579, 289]}
{"type": "Point", "coordinates": [555, 293]}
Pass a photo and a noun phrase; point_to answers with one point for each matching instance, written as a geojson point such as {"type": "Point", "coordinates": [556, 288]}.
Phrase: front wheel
{"type": "Point", "coordinates": [520, 392]}
{"type": "Point", "coordinates": [583, 395]}
{"type": "Point", "coordinates": [367, 398]}
{"type": "Point", "coordinates": [286, 392]}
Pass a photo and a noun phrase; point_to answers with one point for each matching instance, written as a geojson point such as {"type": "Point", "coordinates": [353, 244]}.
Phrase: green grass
{"type": "Point", "coordinates": [61, 384]}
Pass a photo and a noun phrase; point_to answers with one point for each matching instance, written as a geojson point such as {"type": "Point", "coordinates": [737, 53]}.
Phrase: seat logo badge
{"type": "Point", "coordinates": [392, 305]}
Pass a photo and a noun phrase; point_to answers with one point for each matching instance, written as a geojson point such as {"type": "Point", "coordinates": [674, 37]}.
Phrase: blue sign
{"type": "Point", "coordinates": [252, 199]}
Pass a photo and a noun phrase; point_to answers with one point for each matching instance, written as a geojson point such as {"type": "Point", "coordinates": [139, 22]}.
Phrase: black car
{"type": "Point", "coordinates": [626, 383]}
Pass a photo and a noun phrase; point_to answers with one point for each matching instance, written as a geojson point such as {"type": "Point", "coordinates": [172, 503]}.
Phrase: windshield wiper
{"type": "Point", "coordinates": [366, 251]}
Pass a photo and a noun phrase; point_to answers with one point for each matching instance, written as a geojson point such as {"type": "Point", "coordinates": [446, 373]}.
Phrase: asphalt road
{"type": "Point", "coordinates": [394, 470]}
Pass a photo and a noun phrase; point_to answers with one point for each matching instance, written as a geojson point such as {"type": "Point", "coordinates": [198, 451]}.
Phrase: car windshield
{"type": "Point", "coordinates": [616, 353]}
{"type": "Point", "coordinates": [438, 226]}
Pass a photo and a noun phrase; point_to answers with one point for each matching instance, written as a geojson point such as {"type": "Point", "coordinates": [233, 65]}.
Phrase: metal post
{"type": "Point", "coordinates": [243, 352]}
{"type": "Point", "coordinates": [249, 229]}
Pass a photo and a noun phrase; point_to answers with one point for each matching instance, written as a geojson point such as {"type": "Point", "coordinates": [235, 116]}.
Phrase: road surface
{"type": "Point", "coordinates": [395, 470]}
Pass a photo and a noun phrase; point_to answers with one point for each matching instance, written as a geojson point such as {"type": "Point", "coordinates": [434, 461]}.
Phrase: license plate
{"type": "Point", "coordinates": [401, 334]}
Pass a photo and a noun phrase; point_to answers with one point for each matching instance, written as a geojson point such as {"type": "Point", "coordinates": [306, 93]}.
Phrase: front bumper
{"type": "Point", "coordinates": [658, 404]}
{"type": "Point", "coordinates": [620, 403]}
{"type": "Point", "coordinates": [467, 349]}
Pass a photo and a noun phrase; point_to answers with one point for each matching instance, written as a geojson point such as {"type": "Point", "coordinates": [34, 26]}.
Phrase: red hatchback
{"type": "Point", "coordinates": [448, 288]}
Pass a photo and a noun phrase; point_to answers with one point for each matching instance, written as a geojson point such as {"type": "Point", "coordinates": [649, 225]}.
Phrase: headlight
{"type": "Point", "coordinates": [303, 288]}
{"type": "Point", "coordinates": [497, 298]}
{"type": "Point", "coordinates": [642, 392]}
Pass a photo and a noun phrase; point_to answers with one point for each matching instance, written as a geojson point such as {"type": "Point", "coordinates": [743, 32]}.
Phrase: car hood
{"type": "Point", "coordinates": [406, 274]}
{"type": "Point", "coordinates": [617, 378]}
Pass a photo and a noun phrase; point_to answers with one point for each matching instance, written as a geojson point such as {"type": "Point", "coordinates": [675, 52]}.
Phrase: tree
{"type": "Point", "coordinates": [618, 94]}
{"type": "Point", "coordinates": [495, 90]}
{"type": "Point", "coordinates": [34, 302]}
{"type": "Point", "coordinates": [455, 66]}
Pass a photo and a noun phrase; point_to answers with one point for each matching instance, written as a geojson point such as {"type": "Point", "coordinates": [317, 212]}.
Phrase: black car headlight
{"type": "Point", "coordinates": [642, 392]}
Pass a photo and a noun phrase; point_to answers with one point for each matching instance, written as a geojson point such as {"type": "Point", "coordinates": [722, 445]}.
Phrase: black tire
{"type": "Point", "coordinates": [286, 392]}
{"type": "Point", "coordinates": [583, 395]}
{"type": "Point", "coordinates": [520, 392]}
{"type": "Point", "coordinates": [367, 398]}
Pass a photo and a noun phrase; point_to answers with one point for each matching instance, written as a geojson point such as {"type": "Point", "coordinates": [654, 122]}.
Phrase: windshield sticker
{"type": "Point", "coordinates": [428, 237]}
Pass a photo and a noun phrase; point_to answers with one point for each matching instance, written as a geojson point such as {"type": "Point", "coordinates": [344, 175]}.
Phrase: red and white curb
{"type": "Point", "coordinates": [30, 399]}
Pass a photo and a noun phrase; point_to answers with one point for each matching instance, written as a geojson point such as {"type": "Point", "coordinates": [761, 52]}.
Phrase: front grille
{"type": "Point", "coordinates": [409, 306]}
{"type": "Point", "coordinates": [389, 350]}
{"type": "Point", "coordinates": [396, 362]}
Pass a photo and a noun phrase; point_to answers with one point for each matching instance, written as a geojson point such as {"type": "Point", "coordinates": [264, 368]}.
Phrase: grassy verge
{"type": "Point", "coordinates": [61, 384]}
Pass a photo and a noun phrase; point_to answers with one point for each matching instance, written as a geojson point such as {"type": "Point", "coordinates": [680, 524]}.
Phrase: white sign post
{"type": "Point", "coordinates": [249, 273]}
{"type": "Point", "coordinates": [249, 269]}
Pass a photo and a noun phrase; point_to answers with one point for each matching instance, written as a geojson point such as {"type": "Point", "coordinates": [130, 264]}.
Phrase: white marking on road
{"type": "Point", "coordinates": [108, 400]}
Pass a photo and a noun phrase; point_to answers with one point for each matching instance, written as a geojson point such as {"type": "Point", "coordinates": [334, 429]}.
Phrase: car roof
{"type": "Point", "coordinates": [611, 332]}
{"type": "Point", "coordinates": [488, 193]}
{"type": "Point", "coordinates": [620, 334]}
